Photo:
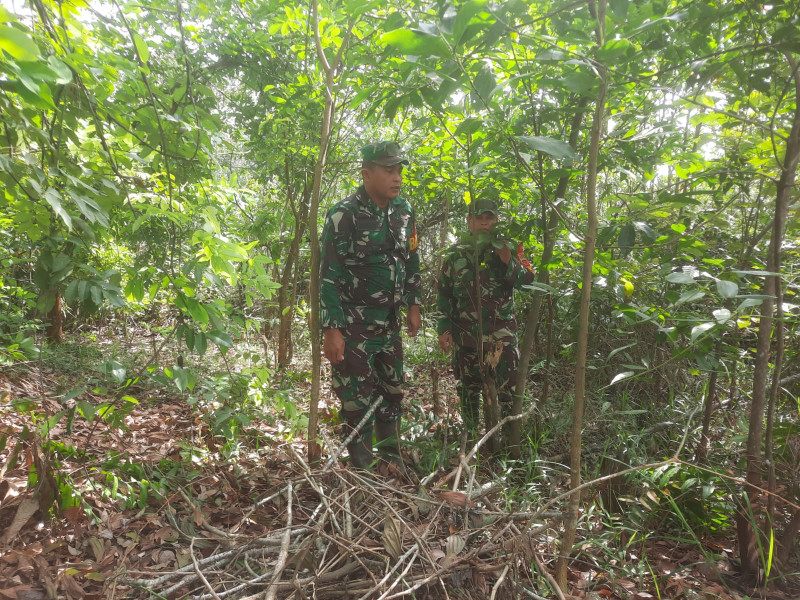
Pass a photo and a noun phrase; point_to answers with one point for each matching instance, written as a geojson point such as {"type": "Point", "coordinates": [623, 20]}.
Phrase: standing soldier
{"type": "Point", "coordinates": [369, 270]}
{"type": "Point", "coordinates": [500, 274]}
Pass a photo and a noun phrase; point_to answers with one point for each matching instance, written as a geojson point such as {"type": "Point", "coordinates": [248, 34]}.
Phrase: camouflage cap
{"type": "Point", "coordinates": [485, 204]}
{"type": "Point", "coordinates": [384, 153]}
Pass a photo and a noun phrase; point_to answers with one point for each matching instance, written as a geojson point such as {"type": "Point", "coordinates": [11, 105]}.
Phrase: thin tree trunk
{"type": "Point", "coordinates": [55, 319]}
{"type": "Point", "coordinates": [571, 522]}
{"type": "Point", "coordinates": [288, 293]}
{"type": "Point", "coordinates": [444, 227]}
{"type": "Point", "coordinates": [774, 395]}
{"type": "Point", "coordinates": [748, 547]}
{"type": "Point", "coordinates": [534, 311]}
{"type": "Point", "coordinates": [314, 450]}
{"type": "Point", "coordinates": [708, 409]}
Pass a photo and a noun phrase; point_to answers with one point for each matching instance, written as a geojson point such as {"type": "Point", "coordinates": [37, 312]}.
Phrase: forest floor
{"type": "Point", "coordinates": [165, 502]}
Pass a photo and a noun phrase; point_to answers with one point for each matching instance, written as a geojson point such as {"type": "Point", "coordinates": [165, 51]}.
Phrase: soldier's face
{"type": "Point", "coordinates": [383, 183]}
{"type": "Point", "coordinates": [482, 223]}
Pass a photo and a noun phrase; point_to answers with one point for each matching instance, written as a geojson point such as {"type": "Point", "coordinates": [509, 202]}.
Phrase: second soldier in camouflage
{"type": "Point", "coordinates": [458, 298]}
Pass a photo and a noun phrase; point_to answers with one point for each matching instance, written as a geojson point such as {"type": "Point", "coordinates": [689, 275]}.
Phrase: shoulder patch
{"type": "Point", "coordinates": [413, 241]}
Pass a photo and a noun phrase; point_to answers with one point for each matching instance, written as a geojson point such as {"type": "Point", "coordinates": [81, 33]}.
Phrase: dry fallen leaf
{"type": "Point", "coordinates": [25, 511]}
{"type": "Point", "coordinates": [98, 548]}
{"type": "Point", "coordinates": [455, 543]}
{"type": "Point", "coordinates": [457, 499]}
{"type": "Point", "coordinates": [392, 538]}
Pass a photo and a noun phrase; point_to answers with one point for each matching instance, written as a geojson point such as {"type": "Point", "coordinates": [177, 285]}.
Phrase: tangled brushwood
{"type": "Point", "coordinates": [351, 534]}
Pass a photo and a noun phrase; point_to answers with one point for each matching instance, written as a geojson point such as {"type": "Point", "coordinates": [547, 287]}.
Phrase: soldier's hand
{"type": "Point", "coordinates": [333, 346]}
{"type": "Point", "coordinates": [446, 341]}
{"type": "Point", "coordinates": [504, 253]}
{"type": "Point", "coordinates": [413, 320]}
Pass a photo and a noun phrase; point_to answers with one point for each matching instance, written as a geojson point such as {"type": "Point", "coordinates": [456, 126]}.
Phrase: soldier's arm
{"type": "Point", "coordinates": [519, 271]}
{"type": "Point", "coordinates": [335, 245]}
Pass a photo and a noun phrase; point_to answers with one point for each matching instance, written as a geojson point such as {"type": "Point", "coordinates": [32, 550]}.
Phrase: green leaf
{"type": "Point", "coordinates": [61, 70]}
{"type": "Point", "coordinates": [680, 277]}
{"type": "Point", "coordinates": [542, 287]}
{"type": "Point", "coordinates": [17, 44]}
{"type": "Point", "coordinates": [220, 338]}
{"type": "Point", "coordinates": [354, 8]}
{"type": "Point", "coordinates": [469, 126]}
{"type": "Point", "coordinates": [484, 84]}
{"type": "Point", "coordinates": [90, 209]}
{"type": "Point", "coordinates": [619, 8]}
{"type": "Point", "coordinates": [553, 147]}
{"type": "Point", "coordinates": [621, 376]}
{"type": "Point", "coordinates": [646, 230]}
{"type": "Point", "coordinates": [201, 343]}
{"type": "Point", "coordinates": [627, 236]}
{"type": "Point", "coordinates": [727, 289]}
{"type": "Point", "coordinates": [678, 200]}
{"type": "Point", "coordinates": [47, 426]}
{"type": "Point", "coordinates": [699, 330]}
{"type": "Point", "coordinates": [180, 377]}
{"type": "Point", "coordinates": [465, 14]}
{"type": "Point", "coordinates": [416, 42]}
{"type": "Point", "coordinates": [721, 315]}
{"type": "Point", "coordinates": [614, 50]}
{"type": "Point", "coordinates": [46, 95]}
{"type": "Point", "coordinates": [753, 300]}
{"type": "Point", "coordinates": [579, 83]}
{"type": "Point", "coordinates": [141, 47]}
{"type": "Point", "coordinates": [135, 289]}
{"type": "Point", "coordinates": [53, 198]}
{"type": "Point", "coordinates": [690, 296]}
{"type": "Point", "coordinates": [86, 409]}
{"type": "Point", "coordinates": [197, 311]}
{"type": "Point", "coordinates": [787, 37]}
{"type": "Point", "coordinates": [190, 338]}
{"type": "Point", "coordinates": [6, 17]}
{"type": "Point", "coordinates": [756, 273]}
{"type": "Point", "coordinates": [114, 370]}
{"type": "Point", "coordinates": [551, 55]}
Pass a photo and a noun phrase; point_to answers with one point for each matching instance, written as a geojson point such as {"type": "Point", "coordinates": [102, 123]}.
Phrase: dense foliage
{"type": "Point", "coordinates": [157, 166]}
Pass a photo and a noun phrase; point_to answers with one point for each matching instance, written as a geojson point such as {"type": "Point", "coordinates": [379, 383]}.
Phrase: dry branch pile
{"type": "Point", "coordinates": [349, 534]}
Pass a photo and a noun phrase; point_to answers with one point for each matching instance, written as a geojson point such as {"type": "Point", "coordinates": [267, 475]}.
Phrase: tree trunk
{"type": "Point", "coordinates": [571, 522]}
{"type": "Point", "coordinates": [55, 322]}
{"type": "Point", "coordinates": [748, 546]}
{"type": "Point", "coordinates": [774, 396]}
{"type": "Point", "coordinates": [542, 276]}
{"type": "Point", "coordinates": [708, 409]}
{"type": "Point", "coordinates": [287, 294]}
{"type": "Point", "coordinates": [314, 450]}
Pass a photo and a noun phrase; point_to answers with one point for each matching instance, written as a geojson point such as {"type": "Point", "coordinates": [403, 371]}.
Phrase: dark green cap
{"type": "Point", "coordinates": [484, 205]}
{"type": "Point", "coordinates": [383, 153]}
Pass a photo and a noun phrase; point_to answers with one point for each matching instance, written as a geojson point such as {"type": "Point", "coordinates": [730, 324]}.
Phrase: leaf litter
{"type": "Point", "coordinates": [268, 524]}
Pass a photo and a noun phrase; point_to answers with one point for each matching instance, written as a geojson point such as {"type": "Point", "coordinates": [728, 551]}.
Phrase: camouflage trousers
{"type": "Point", "coordinates": [372, 369]}
{"type": "Point", "coordinates": [500, 361]}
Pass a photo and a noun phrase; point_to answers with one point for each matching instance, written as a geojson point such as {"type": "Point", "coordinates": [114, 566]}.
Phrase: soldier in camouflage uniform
{"type": "Point", "coordinates": [369, 270]}
{"type": "Point", "coordinates": [500, 274]}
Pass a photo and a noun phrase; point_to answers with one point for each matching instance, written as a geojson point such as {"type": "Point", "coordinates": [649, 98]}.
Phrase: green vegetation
{"type": "Point", "coordinates": [158, 223]}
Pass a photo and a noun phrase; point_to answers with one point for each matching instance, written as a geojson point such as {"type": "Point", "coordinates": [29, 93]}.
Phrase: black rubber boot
{"type": "Point", "coordinates": [387, 436]}
{"type": "Point", "coordinates": [360, 449]}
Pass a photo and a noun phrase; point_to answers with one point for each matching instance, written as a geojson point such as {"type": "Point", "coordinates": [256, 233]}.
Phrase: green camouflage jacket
{"type": "Point", "coordinates": [456, 300]}
{"type": "Point", "coordinates": [369, 263]}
